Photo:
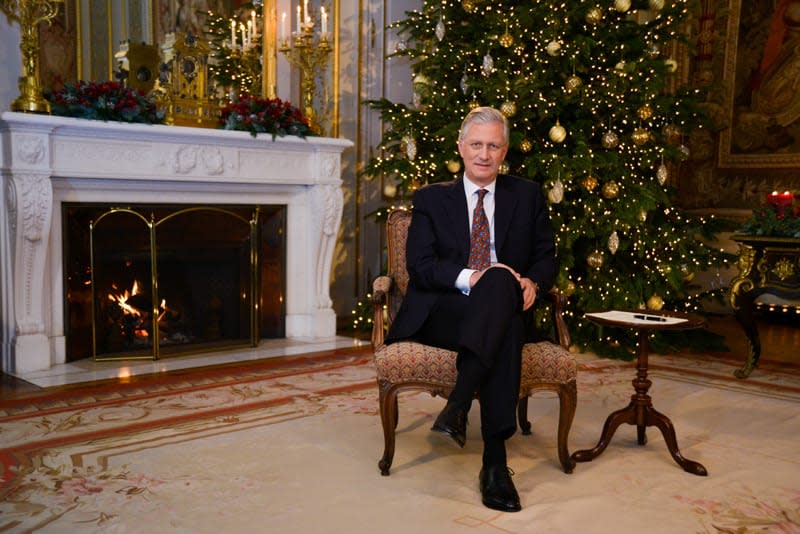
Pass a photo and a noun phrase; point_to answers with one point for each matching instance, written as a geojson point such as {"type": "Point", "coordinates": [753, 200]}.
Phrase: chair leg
{"type": "Point", "coordinates": [388, 407]}
{"type": "Point", "coordinates": [568, 401]}
{"type": "Point", "coordinates": [522, 415]}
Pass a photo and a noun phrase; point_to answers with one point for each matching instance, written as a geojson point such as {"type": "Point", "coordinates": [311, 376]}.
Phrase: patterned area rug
{"type": "Point", "coordinates": [292, 446]}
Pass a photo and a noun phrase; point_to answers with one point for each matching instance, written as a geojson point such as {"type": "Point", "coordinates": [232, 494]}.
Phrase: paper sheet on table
{"type": "Point", "coordinates": [635, 317]}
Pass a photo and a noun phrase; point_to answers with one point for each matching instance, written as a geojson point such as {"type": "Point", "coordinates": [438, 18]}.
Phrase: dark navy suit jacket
{"type": "Point", "coordinates": [438, 243]}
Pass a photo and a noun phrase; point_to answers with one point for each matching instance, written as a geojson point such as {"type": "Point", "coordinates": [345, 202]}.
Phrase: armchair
{"type": "Point", "coordinates": [408, 365]}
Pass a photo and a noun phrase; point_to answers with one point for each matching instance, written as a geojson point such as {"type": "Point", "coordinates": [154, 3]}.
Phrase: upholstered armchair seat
{"type": "Point", "coordinates": [407, 365]}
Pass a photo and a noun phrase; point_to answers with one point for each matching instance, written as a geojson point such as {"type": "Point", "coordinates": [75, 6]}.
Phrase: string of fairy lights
{"type": "Point", "coordinates": [587, 89]}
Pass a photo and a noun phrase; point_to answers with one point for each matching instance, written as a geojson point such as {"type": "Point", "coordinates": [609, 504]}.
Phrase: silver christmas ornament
{"type": "Point", "coordinates": [440, 29]}
{"type": "Point", "coordinates": [488, 65]}
{"type": "Point", "coordinates": [556, 193]}
{"type": "Point", "coordinates": [613, 242]}
{"type": "Point", "coordinates": [662, 174]}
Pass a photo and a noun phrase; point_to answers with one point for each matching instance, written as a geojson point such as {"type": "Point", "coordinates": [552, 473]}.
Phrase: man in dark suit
{"type": "Point", "coordinates": [476, 262]}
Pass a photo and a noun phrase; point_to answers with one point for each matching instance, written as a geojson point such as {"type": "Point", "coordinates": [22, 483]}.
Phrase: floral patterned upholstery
{"type": "Point", "coordinates": [407, 361]}
{"type": "Point", "coordinates": [407, 365]}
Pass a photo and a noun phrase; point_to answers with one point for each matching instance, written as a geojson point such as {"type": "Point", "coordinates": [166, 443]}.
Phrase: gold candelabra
{"type": "Point", "coordinates": [310, 55]}
{"type": "Point", "coordinates": [29, 13]}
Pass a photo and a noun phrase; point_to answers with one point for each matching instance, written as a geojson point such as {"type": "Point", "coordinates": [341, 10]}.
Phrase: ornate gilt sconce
{"type": "Point", "coordinates": [29, 13]}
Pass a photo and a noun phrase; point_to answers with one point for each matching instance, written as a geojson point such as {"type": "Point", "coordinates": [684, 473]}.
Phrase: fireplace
{"type": "Point", "coordinates": [146, 281]}
{"type": "Point", "coordinates": [52, 164]}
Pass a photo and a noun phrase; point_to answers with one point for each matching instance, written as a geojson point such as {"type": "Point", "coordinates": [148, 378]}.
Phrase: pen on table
{"type": "Point", "coordinates": [650, 318]}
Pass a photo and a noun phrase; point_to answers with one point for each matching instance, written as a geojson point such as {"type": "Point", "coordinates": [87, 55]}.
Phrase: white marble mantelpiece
{"type": "Point", "coordinates": [48, 160]}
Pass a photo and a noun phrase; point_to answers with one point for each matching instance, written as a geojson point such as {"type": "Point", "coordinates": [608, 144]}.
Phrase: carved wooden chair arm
{"type": "Point", "coordinates": [558, 303]}
{"type": "Point", "coordinates": [381, 287]}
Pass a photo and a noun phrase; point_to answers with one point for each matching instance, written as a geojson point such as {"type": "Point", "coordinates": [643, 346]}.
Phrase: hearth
{"type": "Point", "coordinates": [146, 281]}
{"type": "Point", "coordinates": [49, 162]}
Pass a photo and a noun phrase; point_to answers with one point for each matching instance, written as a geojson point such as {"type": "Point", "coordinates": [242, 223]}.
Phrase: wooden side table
{"type": "Point", "coordinates": [640, 411]}
{"type": "Point", "coordinates": [766, 265]}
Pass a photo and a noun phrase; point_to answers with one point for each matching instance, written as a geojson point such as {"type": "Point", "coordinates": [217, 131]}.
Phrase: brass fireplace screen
{"type": "Point", "coordinates": [146, 281]}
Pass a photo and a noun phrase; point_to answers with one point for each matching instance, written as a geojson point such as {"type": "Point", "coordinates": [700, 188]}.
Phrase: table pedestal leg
{"type": "Point", "coordinates": [640, 412]}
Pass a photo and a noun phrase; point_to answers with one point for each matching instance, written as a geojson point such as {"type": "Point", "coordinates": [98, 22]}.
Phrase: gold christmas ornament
{"type": "Point", "coordinates": [611, 190]}
{"type": "Point", "coordinates": [553, 48]}
{"type": "Point", "coordinates": [454, 166]}
{"type": "Point", "coordinates": [389, 190]}
{"type": "Point", "coordinates": [572, 83]}
{"type": "Point", "coordinates": [589, 183]}
{"type": "Point", "coordinates": [645, 112]}
{"type": "Point", "coordinates": [656, 5]}
{"type": "Point", "coordinates": [643, 215]}
{"type": "Point", "coordinates": [474, 104]}
{"type": "Point", "coordinates": [509, 109]}
{"type": "Point", "coordinates": [655, 302]}
{"type": "Point", "coordinates": [504, 168]}
{"type": "Point", "coordinates": [610, 140]}
{"type": "Point", "coordinates": [594, 15]}
{"type": "Point", "coordinates": [640, 136]}
{"type": "Point", "coordinates": [662, 174]}
{"type": "Point", "coordinates": [688, 275]}
{"type": "Point", "coordinates": [506, 41]}
{"type": "Point", "coordinates": [468, 5]}
{"type": "Point", "coordinates": [556, 193]}
{"type": "Point", "coordinates": [672, 133]}
{"type": "Point", "coordinates": [613, 242]}
{"type": "Point", "coordinates": [557, 133]}
{"type": "Point", "coordinates": [525, 145]}
{"type": "Point", "coordinates": [595, 259]}
{"type": "Point", "coordinates": [569, 289]}
{"type": "Point", "coordinates": [622, 5]}
{"type": "Point", "coordinates": [671, 64]}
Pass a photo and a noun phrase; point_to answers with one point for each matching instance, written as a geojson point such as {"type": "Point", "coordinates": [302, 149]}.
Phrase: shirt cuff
{"type": "Point", "coordinates": [462, 282]}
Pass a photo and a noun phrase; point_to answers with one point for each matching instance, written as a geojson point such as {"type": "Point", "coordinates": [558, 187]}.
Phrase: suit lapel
{"type": "Point", "coordinates": [504, 205]}
{"type": "Point", "coordinates": [455, 208]}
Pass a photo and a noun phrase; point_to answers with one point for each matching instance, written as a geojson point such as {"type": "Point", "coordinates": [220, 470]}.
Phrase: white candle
{"type": "Point", "coordinates": [244, 36]}
{"type": "Point", "coordinates": [249, 31]}
{"type": "Point", "coordinates": [298, 18]}
{"type": "Point", "coordinates": [233, 34]}
{"type": "Point", "coordinates": [253, 18]}
{"type": "Point", "coordinates": [305, 11]}
{"type": "Point", "coordinates": [324, 18]}
{"type": "Point", "coordinates": [283, 26]}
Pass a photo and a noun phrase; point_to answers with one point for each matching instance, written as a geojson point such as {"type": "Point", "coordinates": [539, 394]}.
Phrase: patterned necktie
{"type": "Point", "coordinates": [479, 255]}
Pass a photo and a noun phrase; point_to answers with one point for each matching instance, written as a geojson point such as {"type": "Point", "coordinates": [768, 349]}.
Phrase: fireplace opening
{"type": "Point", "coordinates": [146, 281]}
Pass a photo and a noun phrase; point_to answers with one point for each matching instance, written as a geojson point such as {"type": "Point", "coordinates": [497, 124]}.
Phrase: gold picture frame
{"type": "Point", "coordinates": [761, 104]}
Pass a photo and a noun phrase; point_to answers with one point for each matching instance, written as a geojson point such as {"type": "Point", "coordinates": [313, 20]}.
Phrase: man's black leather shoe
{"type": "Point", "coordinates": [453, 422]}
{"type": "Point", "coordinates": [497, 489]}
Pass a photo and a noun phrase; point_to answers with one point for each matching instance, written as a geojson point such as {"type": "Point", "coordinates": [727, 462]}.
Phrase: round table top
{"type": "Point", "coordinates": [646, 319]}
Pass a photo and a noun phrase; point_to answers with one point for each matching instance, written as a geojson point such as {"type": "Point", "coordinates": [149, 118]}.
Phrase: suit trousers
{"type": "Point", "coordinates": [486, 324]}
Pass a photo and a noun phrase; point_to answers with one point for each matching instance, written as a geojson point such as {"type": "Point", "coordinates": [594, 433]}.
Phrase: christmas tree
{"type": "Point", "coordinates": [590, 92]}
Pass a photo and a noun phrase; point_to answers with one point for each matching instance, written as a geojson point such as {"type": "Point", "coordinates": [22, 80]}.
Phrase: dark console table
{"type": "Point", "coordinates": [766, 265]}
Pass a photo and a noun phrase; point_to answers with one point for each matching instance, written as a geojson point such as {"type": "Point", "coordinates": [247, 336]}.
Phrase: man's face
{"type": "Point", "coordinates": [483, 149]}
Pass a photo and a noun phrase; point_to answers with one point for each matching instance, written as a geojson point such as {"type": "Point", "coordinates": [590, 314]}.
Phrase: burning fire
{"type": "Point", "coordinates": [137, 316]}
{"type": "Point", "coordinates": [122, 300]}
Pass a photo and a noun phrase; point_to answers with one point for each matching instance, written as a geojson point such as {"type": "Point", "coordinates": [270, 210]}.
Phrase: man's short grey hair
{"type": "Point", "coordinates": [483, 115]}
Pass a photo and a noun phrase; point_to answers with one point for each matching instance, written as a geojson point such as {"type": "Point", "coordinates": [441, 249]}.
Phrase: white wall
{"type": "Point", "coordinates": [11, 61]}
